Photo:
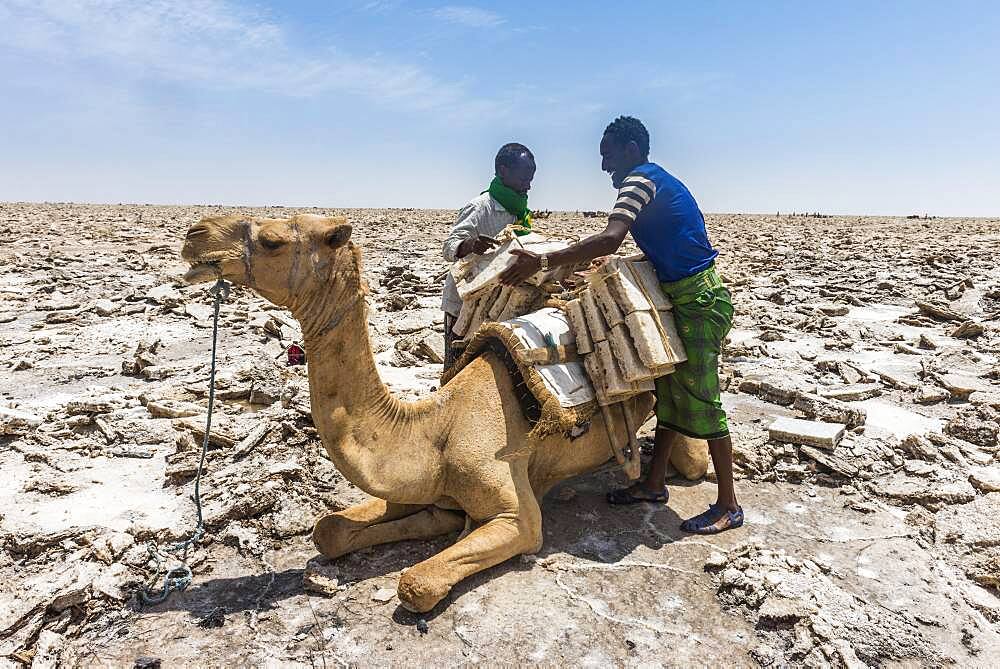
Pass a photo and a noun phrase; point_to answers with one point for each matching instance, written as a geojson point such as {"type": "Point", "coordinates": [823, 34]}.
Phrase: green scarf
{"type": "Point", "coordinates": [515, 204]}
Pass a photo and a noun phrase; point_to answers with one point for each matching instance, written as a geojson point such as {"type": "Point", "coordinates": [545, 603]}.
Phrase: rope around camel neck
{"type": "Point", "coordinates": [180, 577]}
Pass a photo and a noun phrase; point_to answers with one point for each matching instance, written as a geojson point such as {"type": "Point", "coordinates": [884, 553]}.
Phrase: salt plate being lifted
{"type": "Point", "coordinates": [477, 273]}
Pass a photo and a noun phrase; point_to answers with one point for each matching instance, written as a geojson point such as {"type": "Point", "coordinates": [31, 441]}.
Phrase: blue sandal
{"type": "Point", "coordinates": [628, 496]}
{"type": "Point", "coordinates": [705, 523]}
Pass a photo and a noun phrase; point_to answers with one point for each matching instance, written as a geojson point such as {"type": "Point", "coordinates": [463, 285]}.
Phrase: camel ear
{"type": "Point", "coordinates": [338, 236]}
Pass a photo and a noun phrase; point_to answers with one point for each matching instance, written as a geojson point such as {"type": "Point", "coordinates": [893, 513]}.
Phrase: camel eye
{"type": "Point", "coordinates": [271, 242]}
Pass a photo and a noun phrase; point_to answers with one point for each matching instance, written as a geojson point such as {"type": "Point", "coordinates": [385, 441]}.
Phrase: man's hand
{"type": "Point", "coordinates": [525, 264]}
{"type": "Point", "coordinates": [478, 245]}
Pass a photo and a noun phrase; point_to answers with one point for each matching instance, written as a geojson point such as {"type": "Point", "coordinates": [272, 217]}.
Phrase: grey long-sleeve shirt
{"type": "Point", "coordinates": [482, 216]}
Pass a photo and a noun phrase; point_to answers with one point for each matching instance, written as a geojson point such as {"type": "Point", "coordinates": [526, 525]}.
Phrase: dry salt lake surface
{"type": "Point", "coordinates": [883, 550]}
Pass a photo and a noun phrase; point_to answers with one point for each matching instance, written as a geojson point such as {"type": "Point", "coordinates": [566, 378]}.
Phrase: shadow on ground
{"type": "Point", "coordinates": [568, 530]}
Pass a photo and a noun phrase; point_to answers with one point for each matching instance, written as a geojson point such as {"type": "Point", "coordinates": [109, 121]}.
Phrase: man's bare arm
{"type": "Point", "coordinates": [603, 243]}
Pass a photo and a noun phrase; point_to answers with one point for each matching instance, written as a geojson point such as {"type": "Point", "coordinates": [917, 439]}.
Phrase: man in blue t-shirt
{"type": "Point", "coordinates": [666, 223]}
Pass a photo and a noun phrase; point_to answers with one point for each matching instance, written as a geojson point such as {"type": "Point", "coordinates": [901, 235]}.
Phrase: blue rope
{"type": "Point", "coordinates": [179, 578]}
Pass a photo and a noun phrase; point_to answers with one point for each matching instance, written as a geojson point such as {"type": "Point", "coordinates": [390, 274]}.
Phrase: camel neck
{"type": "Point", "coordinates": [367, 432]}
{"type": "Point", "coordinates": [341, 363]}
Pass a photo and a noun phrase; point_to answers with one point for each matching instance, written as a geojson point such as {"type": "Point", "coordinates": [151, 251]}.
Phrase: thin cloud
{"type": "Point", "coordinates": [210, 43]}
{"type": "Point", "coordinates": [472, 17]}
{"type": "Point", "coordinates": [380, 6]}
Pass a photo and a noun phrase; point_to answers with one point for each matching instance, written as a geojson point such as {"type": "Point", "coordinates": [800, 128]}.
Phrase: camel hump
{"type": "Point", "coordinates": [555, 395]}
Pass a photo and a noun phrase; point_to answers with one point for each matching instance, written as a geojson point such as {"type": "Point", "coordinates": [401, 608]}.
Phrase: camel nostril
{"type": "Point", "coordinates": [196, 232]}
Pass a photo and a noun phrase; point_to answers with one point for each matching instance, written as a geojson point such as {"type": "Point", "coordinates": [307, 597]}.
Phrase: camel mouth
{"type": "Point", "coordinates": [202, 271]}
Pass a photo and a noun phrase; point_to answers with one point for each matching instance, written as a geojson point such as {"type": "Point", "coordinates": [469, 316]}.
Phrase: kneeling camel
{"type": "Point", "coordinates": [464, 451]}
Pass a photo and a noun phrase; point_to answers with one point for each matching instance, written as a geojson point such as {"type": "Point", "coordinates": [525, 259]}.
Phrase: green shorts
{"type": "Point", "coordinates": [689, 401]}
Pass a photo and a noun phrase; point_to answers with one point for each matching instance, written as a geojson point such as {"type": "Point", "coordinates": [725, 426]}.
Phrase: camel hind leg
{"type": "Point", "coordinates": [380, 522]}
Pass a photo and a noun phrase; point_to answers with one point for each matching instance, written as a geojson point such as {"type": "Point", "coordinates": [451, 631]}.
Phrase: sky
{"type": "Point", "coordinates": [850, 107]}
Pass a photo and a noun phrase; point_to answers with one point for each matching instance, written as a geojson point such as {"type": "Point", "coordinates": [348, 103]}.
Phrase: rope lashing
{"type": "Point", "coordinates": [179, 577]}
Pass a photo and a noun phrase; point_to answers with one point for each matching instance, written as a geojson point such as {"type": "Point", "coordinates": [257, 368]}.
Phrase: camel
{"type": "Point", "coordinates": [429, 465]}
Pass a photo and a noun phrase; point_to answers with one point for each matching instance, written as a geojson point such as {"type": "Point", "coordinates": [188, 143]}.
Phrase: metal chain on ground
{"type": "Point", "coordinates": [180, 577]}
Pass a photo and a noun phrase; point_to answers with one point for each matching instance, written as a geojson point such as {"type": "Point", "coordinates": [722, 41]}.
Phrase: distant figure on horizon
{"type": "Point", "coordinates": [668, 226]}
{"type": "Point", "coordinates": [504, 203]}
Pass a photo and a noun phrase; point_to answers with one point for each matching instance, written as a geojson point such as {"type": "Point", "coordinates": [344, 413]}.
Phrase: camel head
{"type": "Point", "coordinates": [288, 261]}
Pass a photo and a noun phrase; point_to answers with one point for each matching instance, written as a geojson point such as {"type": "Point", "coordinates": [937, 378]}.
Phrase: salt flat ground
{"type": "Point", "coordinates": [885, 550]}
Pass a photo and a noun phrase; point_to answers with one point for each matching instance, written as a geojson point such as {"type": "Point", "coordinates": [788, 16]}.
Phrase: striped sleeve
{"type": "Point", "coordinates": [635, 193]}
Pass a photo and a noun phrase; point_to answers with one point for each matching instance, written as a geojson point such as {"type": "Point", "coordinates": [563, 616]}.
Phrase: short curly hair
{"type": "Point", "coordinates": [510, 154]}
{"type": "Point", "coordinates": [627, 129]}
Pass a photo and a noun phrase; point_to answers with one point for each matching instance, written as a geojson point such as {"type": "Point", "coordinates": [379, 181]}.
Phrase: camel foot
{"type": "Point", "coordinates": [409, 608]}
{"type": "Point", "coordinates": [331, 535]}
{"type": "Point", "coordinates": [420, 590]}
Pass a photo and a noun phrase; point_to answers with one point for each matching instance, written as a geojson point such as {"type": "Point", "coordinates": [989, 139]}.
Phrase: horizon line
{"type": "Point", "coordinates": [777, 213]}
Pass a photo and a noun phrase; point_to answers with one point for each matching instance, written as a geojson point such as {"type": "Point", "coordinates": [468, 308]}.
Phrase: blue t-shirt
{"type": "Point", "coordinates": [665, 222]}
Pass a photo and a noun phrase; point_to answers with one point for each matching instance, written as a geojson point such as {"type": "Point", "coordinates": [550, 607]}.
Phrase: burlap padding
{"type": "Point", "coordinates": [540, 406]}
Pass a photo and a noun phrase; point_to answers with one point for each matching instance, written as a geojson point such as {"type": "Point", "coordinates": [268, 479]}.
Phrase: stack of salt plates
{"type": "Point", "coordinates": [624, 329]}
{"type": "Point", "coordinates": [484, 299]}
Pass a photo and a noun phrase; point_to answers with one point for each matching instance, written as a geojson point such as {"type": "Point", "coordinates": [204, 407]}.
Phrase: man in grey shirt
{"type": "Point", "coordinates": [504, 203]}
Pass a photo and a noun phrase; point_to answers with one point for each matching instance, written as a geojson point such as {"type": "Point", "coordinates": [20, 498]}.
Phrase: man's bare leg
{"type": "Point", "coordinates": [721, 450]}
{"type": "Point", "coordinates": [663, 444]}
{"type": "Point", "coordinates": [719, 517]}
{"type": "Point", "coordinates": [726, 512]}
{"type": "Point", "coordinates": [652, 487]}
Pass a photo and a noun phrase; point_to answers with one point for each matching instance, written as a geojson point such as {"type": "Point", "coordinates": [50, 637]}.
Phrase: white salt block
{"type": "Point", "coordinates": [612, 312]}
{"type": "Point", "coordinates": [596, 324]}
{"type": "Point", "coordinates": [672, 340]}
{"type": "Point", "coordinates": [642, 326]}
{"type": "Point", "coordinates": [464, 319]}
{"type": "Point", "coordinates": [500, 303]}
{"type": "Point", "coordinates": [644, 275]}
{"type": "Point", "coordinates": [578, 323]}
{"type": "Point", "coordinates": [522, 300]}
{"type": "Point", "coordinates": [615, 384]}
{"type": "Point", "coordinates": [625, 291]}
{"type": "Point", "coordinates": [632, 367]}
{"type": "Point", "coordinates": [475, 273]}
{"type": "Point", "coordinates": [479, 316]}
{"type": "Point", "coordinates": [808, 432]}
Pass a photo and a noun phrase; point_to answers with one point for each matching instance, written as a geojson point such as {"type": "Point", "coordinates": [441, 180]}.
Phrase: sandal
{"type": "Point", "coordinates": [705, 523]}
{"type": "Point", "coordinates": [629, 496]}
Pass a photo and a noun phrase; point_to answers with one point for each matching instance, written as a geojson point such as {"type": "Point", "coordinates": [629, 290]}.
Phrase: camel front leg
{"type": "Point", "coordinates": [509, 533]}
{"type": "Point", "coordinates": [380, 522]}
